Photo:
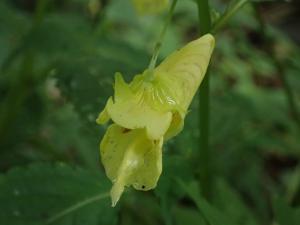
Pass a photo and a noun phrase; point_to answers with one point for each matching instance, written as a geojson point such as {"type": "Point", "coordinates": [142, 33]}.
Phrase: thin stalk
{"type": "Point", "coordinates": [230, 11]}
{"type": "Point", "coordinates": [40, 11]}
{"type": "Point", "coordinates": [159, 42]}
{"type": "Point", "coordinates": [204, 105]}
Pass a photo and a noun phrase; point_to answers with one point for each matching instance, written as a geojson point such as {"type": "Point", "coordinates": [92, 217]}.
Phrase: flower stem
{"type": "Point", "coordinates": [159, 42]}
{"type": "Point", "coordinates": [204, 154]}
{"type": "Point", "coordinates": [230, 11]}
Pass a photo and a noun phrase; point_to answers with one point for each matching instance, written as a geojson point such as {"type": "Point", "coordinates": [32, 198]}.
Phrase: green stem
{"type": "Point", "coordinates": [159, 42]}
{"type": "Point", "coordinates": [204, 154]}
{"type": "Point", "coordinates": [204, 16]}
{"type": "Point", "coordinates": [230, 11]}
{"type": "Point", "coordinates": [40, 11]}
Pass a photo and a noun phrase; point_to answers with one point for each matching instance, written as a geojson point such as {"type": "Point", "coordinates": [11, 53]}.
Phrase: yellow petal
{"type": "Point", "coordinates": [130, 158]}
{"type": "Point", "coordinates": [150, 6]}
{"type": "Point", "coordinates": [185, 70]}
{"type": "Point", "coordinates": [176, 126]}
{"type": "Point", "coordinates": [160, 104]}
{"type": "Point", "coordinates": [134, 109]}
{"type": "Point", "coordinates": [103, 117]}
{"type": "Point", "coordinates": [122, 89]}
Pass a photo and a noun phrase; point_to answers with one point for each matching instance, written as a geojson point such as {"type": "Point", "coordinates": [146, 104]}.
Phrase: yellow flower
{"type": "Point", "coordinates": [150, 6]}
{"type": "Point", "coordinates": [147, 111]}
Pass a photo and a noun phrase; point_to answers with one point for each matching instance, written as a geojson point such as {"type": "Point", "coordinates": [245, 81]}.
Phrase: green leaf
{"type": "Point", "coordinates": [54, 194]}
{"type": "Point", "coordinates": [237, 209]}
{"type": "Point", "coordinates": [211, 214]}
{"type": "Point", "coordinates": [285, 214]}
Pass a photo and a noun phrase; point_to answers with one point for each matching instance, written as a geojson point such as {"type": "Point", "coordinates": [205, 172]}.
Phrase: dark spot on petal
{"type": "Point", "coordinates": [126, 130]}
{"type": "Point", "coordinates": [155, 142]}
{"type": "Point", "coordinates": [143, 186]}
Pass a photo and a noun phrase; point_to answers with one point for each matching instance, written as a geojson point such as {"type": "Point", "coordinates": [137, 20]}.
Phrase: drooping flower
{"type": "Point", "coordinates": [144, 7]}
{"type": "Point", "coordinates": [147, 111]}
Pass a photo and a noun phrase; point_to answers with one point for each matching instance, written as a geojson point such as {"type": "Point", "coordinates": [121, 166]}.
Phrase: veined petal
{"type": "Point", "coordinates": [185, 70]}
{"type": "Point", "coordinates": [159, 105]}
{"type": "Point", "coordinates": [155, 122]}
{"type": "Point", "coordinates": [136, 106]}
{"type": "Point", "coordinates": [130, 158]}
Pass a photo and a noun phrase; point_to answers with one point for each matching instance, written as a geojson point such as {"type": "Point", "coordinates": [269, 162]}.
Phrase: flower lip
{"type": "Point", "coordinates": [130, 158]}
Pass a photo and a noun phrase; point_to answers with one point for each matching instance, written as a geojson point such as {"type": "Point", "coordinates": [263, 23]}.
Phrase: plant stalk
{"type": "Point", "coordinates": [230, 11]}
{"type": "Point", "coordinates": [204, 158]}
{"type": "Point", "coordinates": [161, 37]}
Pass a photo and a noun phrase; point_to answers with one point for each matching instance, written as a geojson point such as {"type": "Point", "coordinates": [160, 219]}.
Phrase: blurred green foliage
{"type": "Point", "coordinates": [57, 63]}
